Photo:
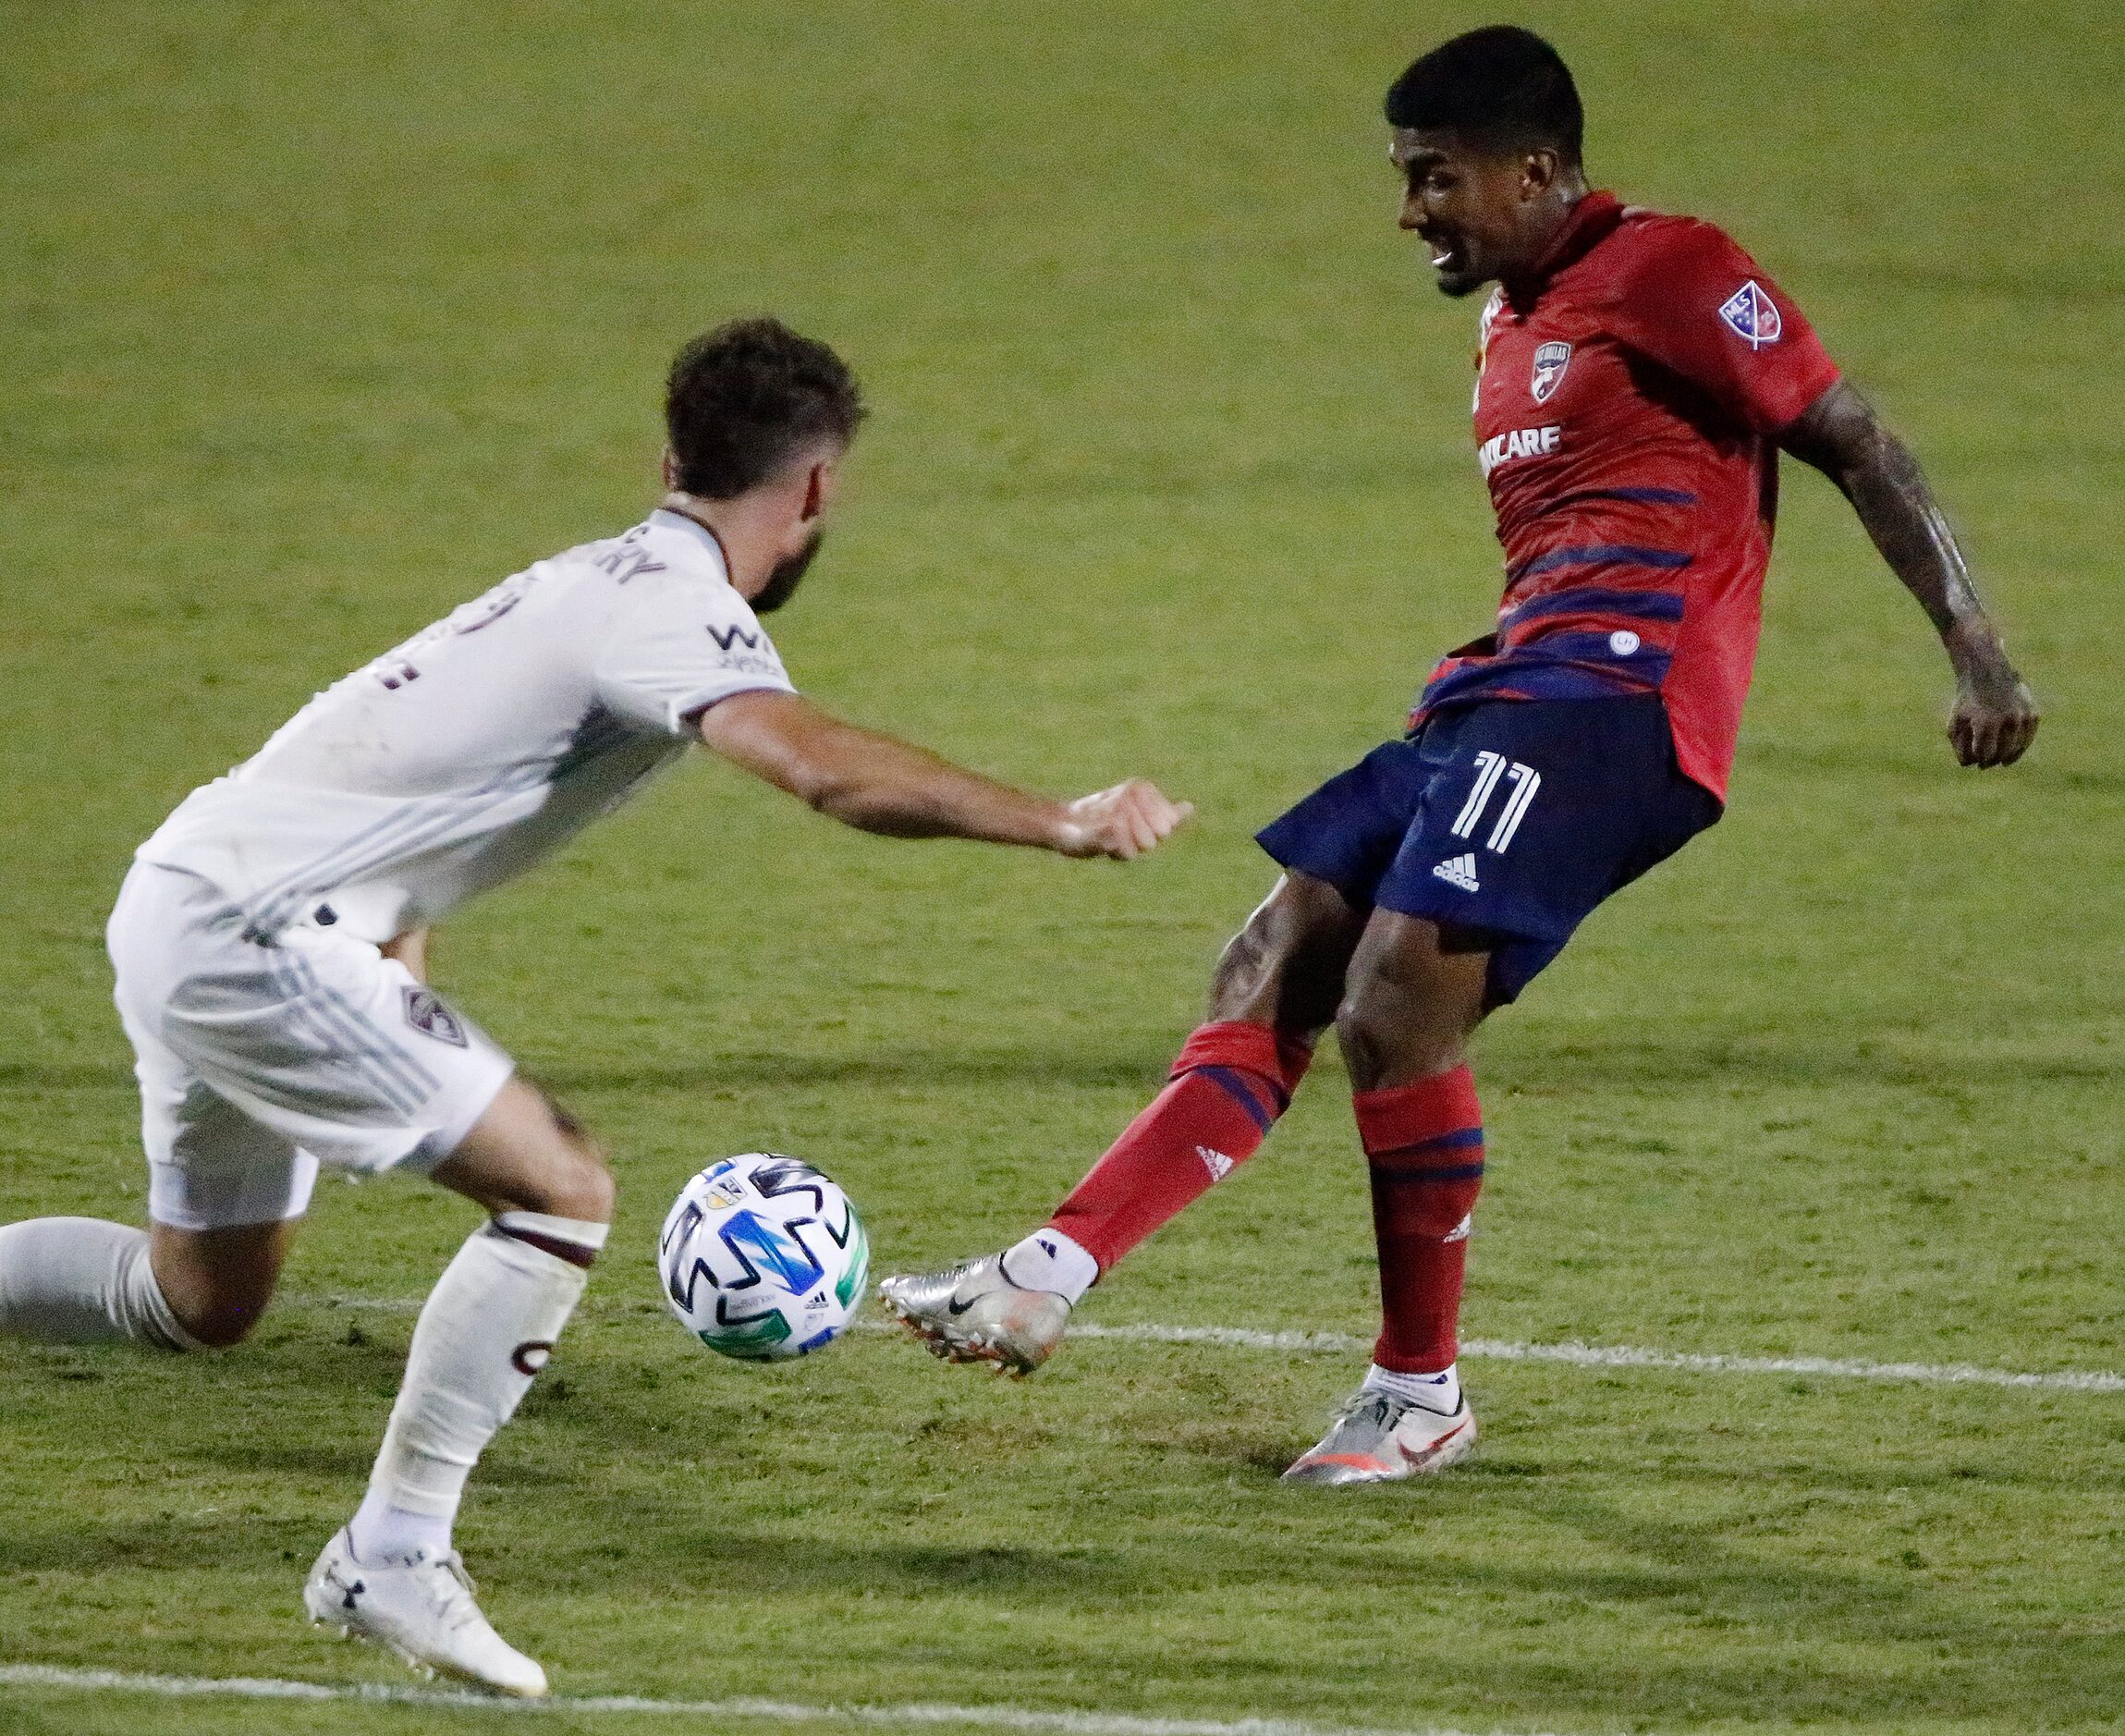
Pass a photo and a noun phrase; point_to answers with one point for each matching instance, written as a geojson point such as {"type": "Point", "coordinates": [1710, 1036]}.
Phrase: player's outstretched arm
{"type": "Point", "coordinates": [877, 783]}
{"type": "Point", "coordinates": [1995, 717]}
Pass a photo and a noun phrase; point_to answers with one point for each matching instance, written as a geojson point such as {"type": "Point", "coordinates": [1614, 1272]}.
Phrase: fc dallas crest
{"type": "Point", "coordinates": [1550, 361]}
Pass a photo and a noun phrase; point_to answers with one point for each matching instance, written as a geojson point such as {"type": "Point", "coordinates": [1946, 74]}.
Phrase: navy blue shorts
{"type": "Point", "coordinates": [1505, 821]}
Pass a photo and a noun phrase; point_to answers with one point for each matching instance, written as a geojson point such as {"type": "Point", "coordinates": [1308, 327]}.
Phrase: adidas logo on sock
{"type": "Point", "coordinates": [1461, 872]}
{"type": "Point", "coordinates": [1216, 1162]}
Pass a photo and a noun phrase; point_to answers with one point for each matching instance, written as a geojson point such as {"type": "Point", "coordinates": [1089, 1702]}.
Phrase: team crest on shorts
{"type": "Point", "coordinates": [1753, 316]}
{"type": "Point", "coordinates": [1550, 361]}
{"type": "Point", "coordinates": [426, 1014]}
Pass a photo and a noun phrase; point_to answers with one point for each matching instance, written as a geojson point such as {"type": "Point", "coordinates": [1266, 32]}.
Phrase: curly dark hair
{"type": "Point", "coordinates": [744, 399]}
{"type": "Point", "coordinates": [1501, 87]}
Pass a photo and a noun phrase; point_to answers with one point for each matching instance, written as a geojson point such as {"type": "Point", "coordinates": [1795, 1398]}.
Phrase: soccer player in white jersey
{"type": "Point", "coordinates": [269, 949]}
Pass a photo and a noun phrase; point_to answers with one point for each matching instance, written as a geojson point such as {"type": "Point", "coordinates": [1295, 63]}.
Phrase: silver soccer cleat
{"type": "Point", "coordinates": [421, 1609]}
{"type": "Point", "coordinates": [1377, 1438]}
{"type": "Point", "coordinates": [974, 1313]}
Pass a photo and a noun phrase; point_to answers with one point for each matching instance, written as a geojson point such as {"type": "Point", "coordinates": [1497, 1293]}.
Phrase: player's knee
{"type": "Point", "coordinates": [1286, 965]}
{"type": "Point", "coordinates": [576, 1182]}
{"type": "Point", "coordinates": [528, 1154]}
{"type": "Point", "coordinates": [590, 1189]}
{"type": "Point", "coordinates": [218, 1323]}
{"type": "Point", "coordinates": [216, 1284]}
{"type": "Point", "coordinates": [570, 1129]}
{"type": "Point", "coordinates": [1244, 969]}
{"type": "Point", "coordinates": [1391, 1025]}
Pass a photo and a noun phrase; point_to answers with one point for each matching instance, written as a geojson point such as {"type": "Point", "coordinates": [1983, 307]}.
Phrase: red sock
{"type": "Point", "coordinates": [1230, 1084]}
{"type": "Point", "coordinates": [1424, 1145]}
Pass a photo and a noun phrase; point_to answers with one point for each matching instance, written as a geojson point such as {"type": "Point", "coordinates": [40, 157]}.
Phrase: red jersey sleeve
{"type": "Point", "coordinates": [1698, 305]}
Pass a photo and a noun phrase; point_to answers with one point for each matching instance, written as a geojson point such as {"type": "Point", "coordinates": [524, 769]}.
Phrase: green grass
{"type": "Point", "coordinates": [322, 318]}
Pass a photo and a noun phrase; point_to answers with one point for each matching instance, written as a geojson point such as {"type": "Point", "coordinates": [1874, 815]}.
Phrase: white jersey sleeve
{"type": "Point", "coordinates": [679, 643]}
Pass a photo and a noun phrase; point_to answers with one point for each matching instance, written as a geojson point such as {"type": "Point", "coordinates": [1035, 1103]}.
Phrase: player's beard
{"type": "Point", "coordinates": [788, 574]}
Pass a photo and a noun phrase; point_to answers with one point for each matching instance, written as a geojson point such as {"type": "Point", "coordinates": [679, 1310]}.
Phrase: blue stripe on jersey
{"type": "Point", "coordinates": [1600, 554]}
{"type": "Point", "coordinates": [1645, 606]}
{"type": "Point", "coordinates": [1585, 647]}
{"type": "Point", "coordinates": [1509, 680]}
{"type": "Point", "coordinates": [1637, 497]}
{"type": "Point", "coordinates": [1535, 674]}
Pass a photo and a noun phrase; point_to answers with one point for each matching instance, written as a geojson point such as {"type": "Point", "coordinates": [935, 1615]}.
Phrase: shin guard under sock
{"type": "Point", "coordinates": [485, 1331]}
{"type": "Point", "coordinates": [1425, 1146]}
{"type": "Point", "coordinates": [1231, 1081]}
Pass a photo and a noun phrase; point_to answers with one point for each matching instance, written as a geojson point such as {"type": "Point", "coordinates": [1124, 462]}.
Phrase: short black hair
{"type": "Point", "coordinates": [742, 400]}
{"type": "Point", "coordinates": [1500, 87]}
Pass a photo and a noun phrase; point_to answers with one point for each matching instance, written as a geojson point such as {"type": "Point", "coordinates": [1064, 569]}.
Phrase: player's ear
{"type": "Point", "coordinates": [1538, 172]}
{"type": "Point", "coordinates": [670, 468]}
{"type": "Point", "coordinates": [818, 489]}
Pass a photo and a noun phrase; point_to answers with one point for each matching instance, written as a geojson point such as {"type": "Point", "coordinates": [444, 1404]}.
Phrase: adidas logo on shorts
{"type": "Point", "coordinates": [1461, 872]}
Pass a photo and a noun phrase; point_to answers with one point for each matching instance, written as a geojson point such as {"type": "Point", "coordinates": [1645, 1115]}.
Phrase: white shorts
{"type": "Point", "coordinates": [260, 1060]}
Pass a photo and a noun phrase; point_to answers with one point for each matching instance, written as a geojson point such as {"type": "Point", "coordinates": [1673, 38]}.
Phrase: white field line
{"type": "Point", "coordinates": [912, 1715]}
{"type": "Point", "coordinates": [1511, 1350]}
{"type": "Point", "coordinates": [1632, 1356]}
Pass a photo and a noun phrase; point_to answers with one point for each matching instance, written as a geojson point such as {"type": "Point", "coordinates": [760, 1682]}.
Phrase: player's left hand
{"type": "Point", "coordinates": [1996, 716]}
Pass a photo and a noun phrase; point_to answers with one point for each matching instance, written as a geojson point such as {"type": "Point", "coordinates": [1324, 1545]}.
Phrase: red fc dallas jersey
{"type": "Point", "coordinates": [1625, 414]}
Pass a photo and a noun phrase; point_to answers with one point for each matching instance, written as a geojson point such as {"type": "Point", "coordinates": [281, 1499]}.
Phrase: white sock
{"type": "Point", "coordinates": [1440, 1392]}
{"type": "Point", "coordinates": [81, 1280]}
{"type": "Point", "coordinates": [1049, 1260]}
{"type": "Point", "coordinates": [484, 1332]}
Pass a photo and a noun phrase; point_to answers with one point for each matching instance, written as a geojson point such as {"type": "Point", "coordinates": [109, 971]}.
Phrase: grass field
{"type": "Point", "coordinates": [321, 318]}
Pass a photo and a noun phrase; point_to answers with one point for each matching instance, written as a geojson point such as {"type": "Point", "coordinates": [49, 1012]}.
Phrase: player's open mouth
{"type": "Point", "coordinates": [1444, 253]}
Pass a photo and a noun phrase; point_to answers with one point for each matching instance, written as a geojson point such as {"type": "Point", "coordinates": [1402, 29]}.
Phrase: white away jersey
{"type": "Point", "coordinates": [482, 743]}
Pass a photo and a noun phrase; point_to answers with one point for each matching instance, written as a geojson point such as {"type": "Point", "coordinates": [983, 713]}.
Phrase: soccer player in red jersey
{"type": "Point", "coordinates": [1637, 377]}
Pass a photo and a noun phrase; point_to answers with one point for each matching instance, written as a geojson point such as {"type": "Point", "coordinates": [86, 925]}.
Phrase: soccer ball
{"type": "Point", "coordinates": [763, 1258]}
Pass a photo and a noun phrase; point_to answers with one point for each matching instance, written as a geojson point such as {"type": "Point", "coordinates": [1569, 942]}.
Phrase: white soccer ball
{"type": "Point", "coordinates": [762, 1257]}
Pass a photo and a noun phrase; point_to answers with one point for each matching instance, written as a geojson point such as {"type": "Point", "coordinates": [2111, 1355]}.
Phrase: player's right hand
{"type": "Point", "coordinates": [1122, 823]}
{"type": "Point", "coordinates": [1995, 717]}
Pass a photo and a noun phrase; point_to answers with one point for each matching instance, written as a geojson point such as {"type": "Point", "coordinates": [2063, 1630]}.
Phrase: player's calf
{"type": "Point", "coordinates": [1425, 1154]}
{"type": "Point", "coordinates": [1277, 983]}
{"type": "Point", "coordinates": [484, 1334]}
{"type": "Point", "coordinates": [1413, 998]}
{"type": "Point", "coordinates": [1232, 1081]}
{"type": "Point", "coordinates": [81, 1280]}
{"type": "Point", "coordinates": [218, 1282]}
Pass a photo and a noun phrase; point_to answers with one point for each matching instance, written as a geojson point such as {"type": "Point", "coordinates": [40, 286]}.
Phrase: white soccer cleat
{"type": "Point", "coordinates": [421, 1609]}
{"type": "Point", "coordinates": [974, 1313]}
{"type": "Point", "coordinates": [1377, 1438]}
